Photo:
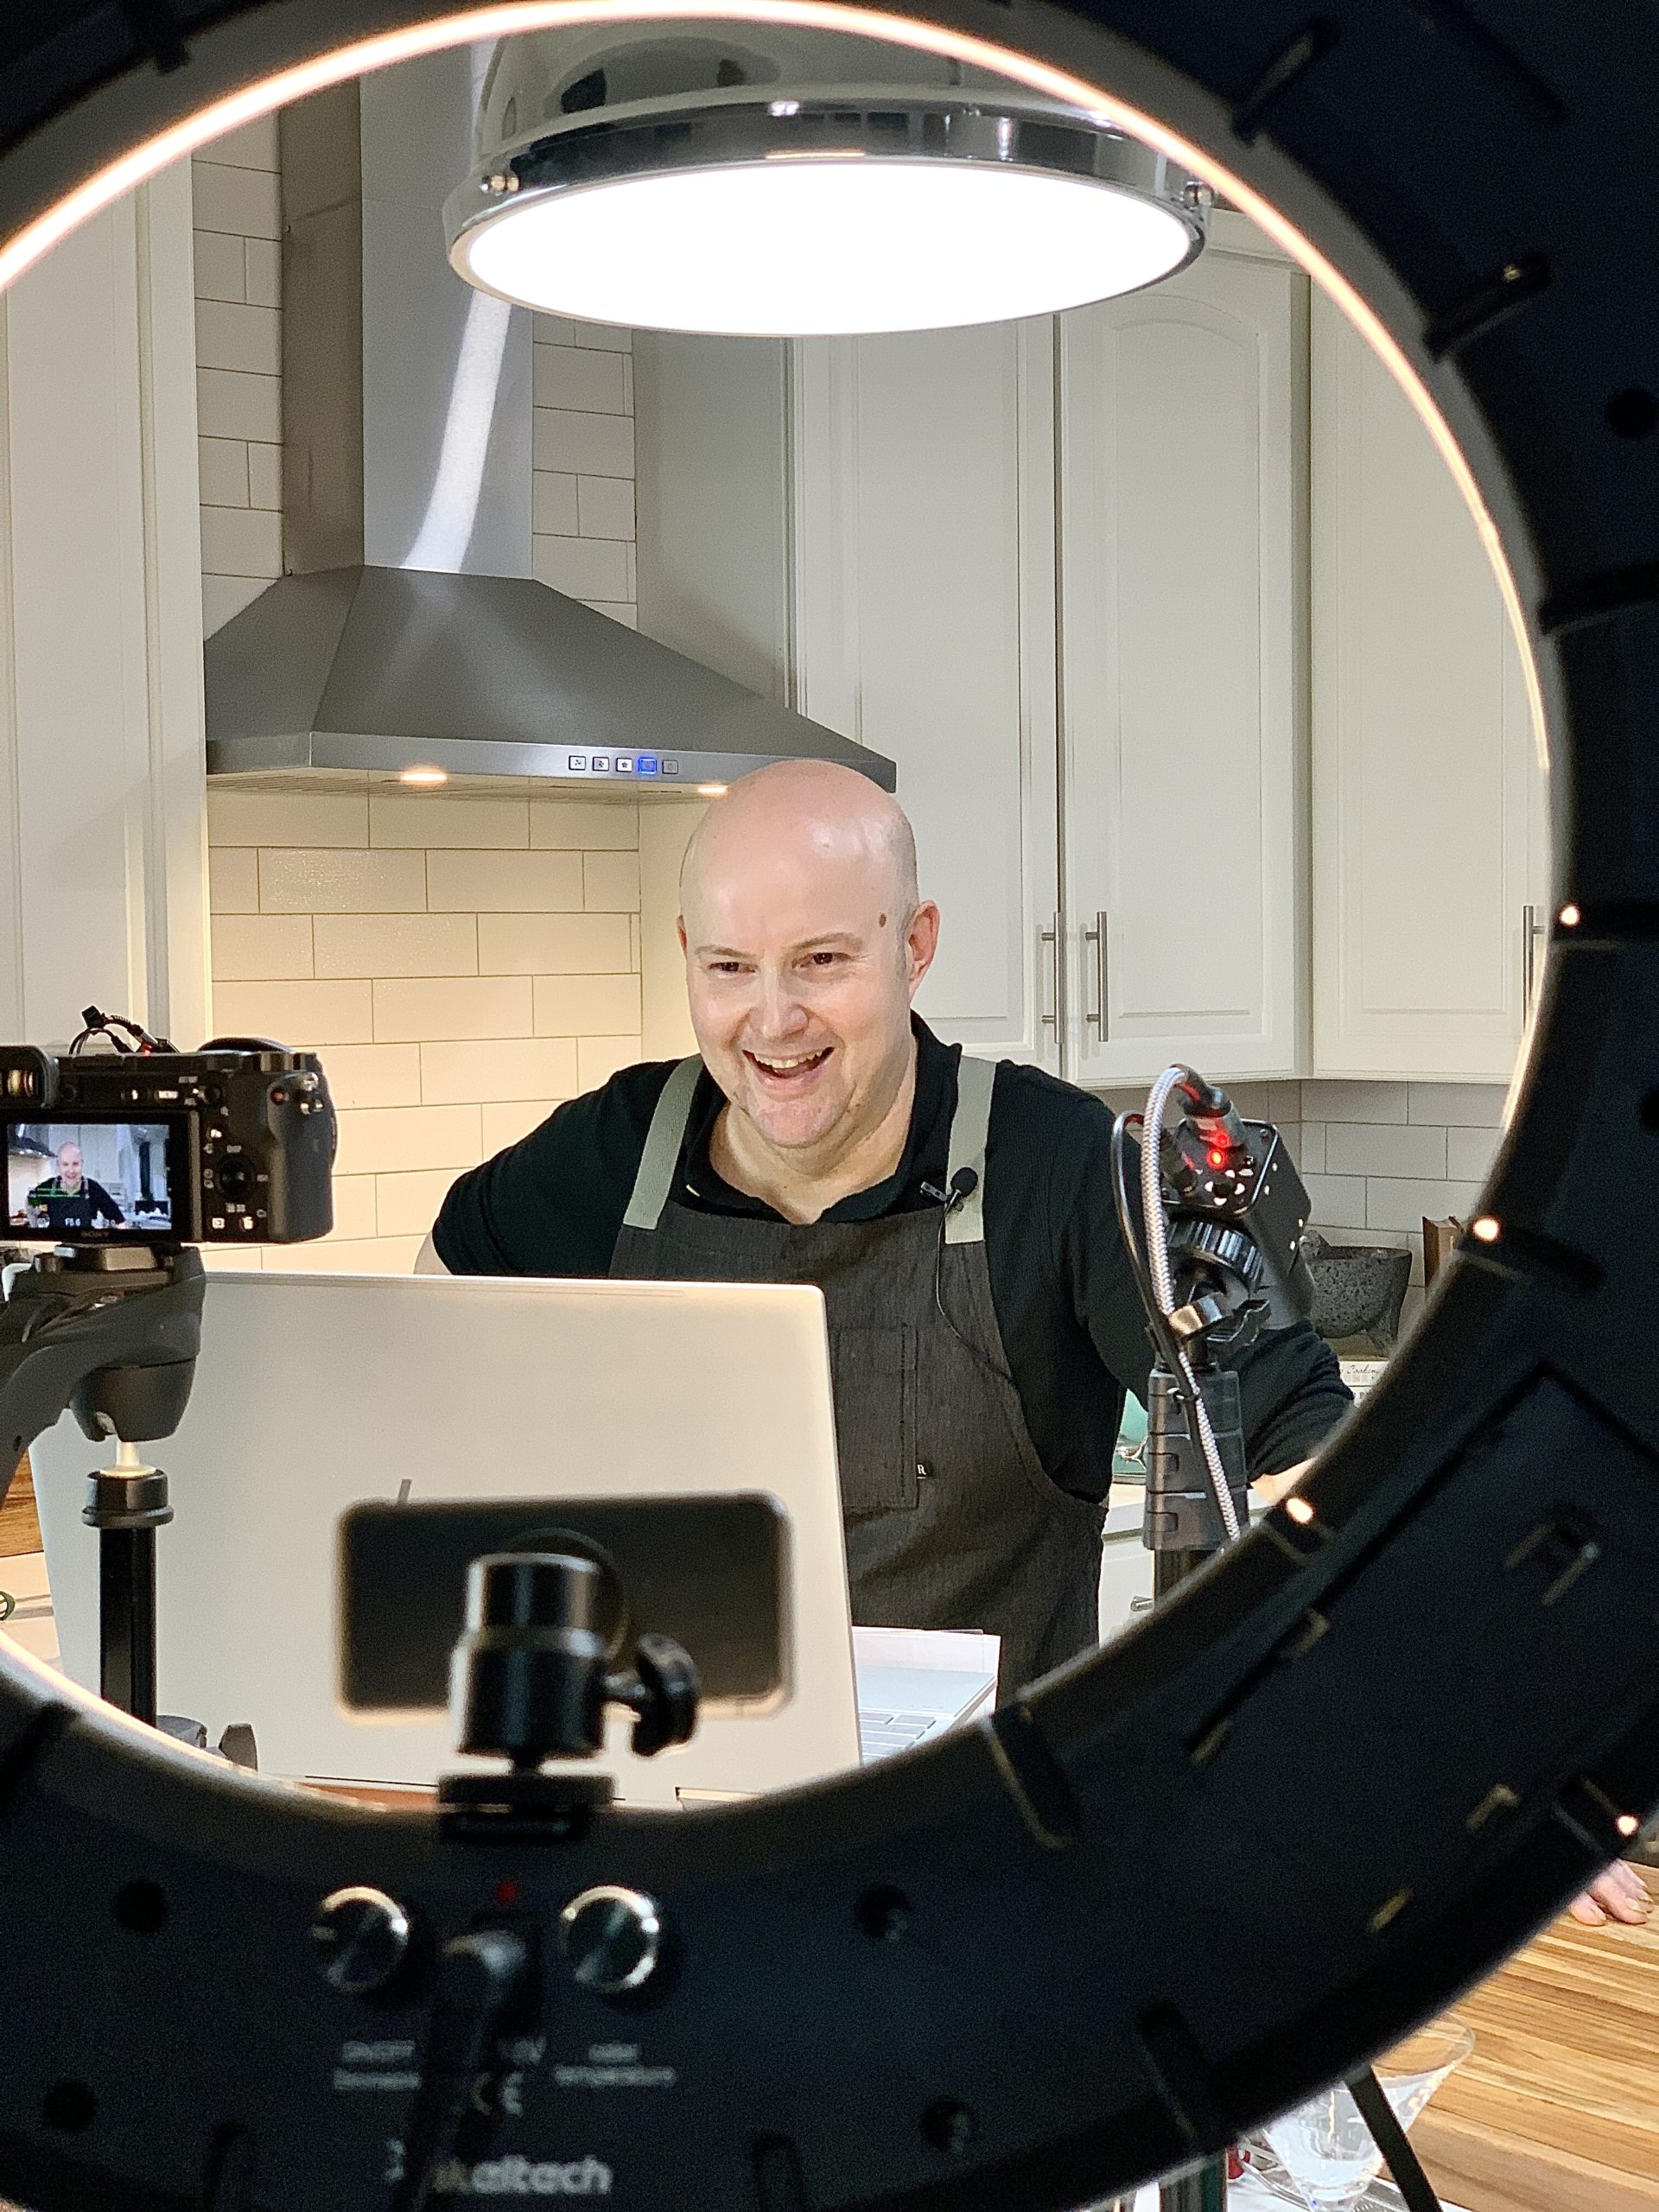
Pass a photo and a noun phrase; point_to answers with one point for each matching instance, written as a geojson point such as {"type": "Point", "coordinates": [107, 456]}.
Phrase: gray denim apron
{"type": "Point", "coordinates": [951, 1520]}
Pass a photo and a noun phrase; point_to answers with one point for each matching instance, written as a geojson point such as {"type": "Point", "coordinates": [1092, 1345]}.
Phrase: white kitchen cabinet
{"type": "Point", "coordinates": [924, 626]}
{"type": "Point", "coordinates": [1430, 866]}
{"type": "Point", "coordinates": [1182, 441]}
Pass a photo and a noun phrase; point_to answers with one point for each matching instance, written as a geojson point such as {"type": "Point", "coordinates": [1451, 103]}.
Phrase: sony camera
{"type": "Point", "coordinates": [231, 1145]}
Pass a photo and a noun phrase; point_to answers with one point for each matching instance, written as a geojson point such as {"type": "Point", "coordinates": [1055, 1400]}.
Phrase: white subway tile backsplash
{"type": "Point", "coordinates": [1354, 1102]}
{"type": "Point", "coordinates": [251, 146]}
{"type": "Point", "coordinates": [552, 330]}
{"type": "Point", "coordinates": [415, 1013]}
{"type": "Point", "coordinates": [247, 202]}
{"type": "Point", "coordinates": [241, 542]}
{"type": "Point", "coordinates": [572, 377]}
{"type": "Point", "coordinates": [1470, 1153]}
{"type": "Point", "coordinates": [261, 948]}
{"type": "Point", "coordinates": [600, 1057]}
{"type": "Point", "coordinates": [583, 568]}
{"type": "Point", "coordinates": [605, 506]}
{"type": "Point", "coordinates": [542, 1067]}
{"type": "Point", "coordinates": [261, 817]}
{"type": "Point", "coordinates": [237, 403]}
{"type": "Point", "coordinates": [265, 476]}
{"type": "Point", "coordinates": [499, 883]}
{"type": "Point", "coordinates": [320, 880]}
{"type": "Point", "coordinates": [574, 825]}
{"type": "Point", "coordinates": [1308, 1150]}
{"type": "Point", "coordinates": [373, 1075]}
{"type": "Point", "coordinates": [407, 1205]}
{"type": "Point", "coordinates": [414, 819]}
{"type": "Point", "coordinates": [221, 266]}
{"type": "Point", "coordinates": [264, 265]}
{"type": "Point", "coordinates": [616, 610]}
{"type": "Point", "coordinates": [302, 1015]}
{"type": "Point", "coordinates": [1469, 1105]}
{"type": "Point", "coordinates": [222, 467]}
{"type": "Point", "coordinates": [506, 1124]}
{"type": "Point", "coordinates": [601, 337]}
{"type": "Point", "coordinates": [1371, 1149]}
{"type": "Point", "coordinates": [1403, 1206]}
{"type": "Point", "coordinates": [354, 1206]}
{"type": "Point", "coordinates": [381, 1140]}
{"type": "Point", "coordinates": [232, 881]}
{"type": "Point", "coordinates": [1337, 1201]}
{"type": "Point", "coordinates": [583, 445]}
{"type": "Point", "coordinates": [553, 944]}
{"type": "Point", "coordinates": [553, 510]}
{"type": "Point", "coordinates": [232, 336]}
{"type": "Point", "coordinates": [611, 882]}
{"type": "Point", "coordinates": [587, 1006]}
{"type": "Point", "coordinates": [225, 596]}
{"type": "Point", "coordinates": [397, 944]}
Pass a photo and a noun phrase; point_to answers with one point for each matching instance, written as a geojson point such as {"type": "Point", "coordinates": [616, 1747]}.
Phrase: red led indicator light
{"type": "Point", "coordinates": [506, 1892]}
{"type": "Point", "coordinates": [1218, 1158]}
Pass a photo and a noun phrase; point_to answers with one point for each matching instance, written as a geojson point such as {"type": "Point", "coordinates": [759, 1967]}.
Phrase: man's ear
{"type": "Point", "coordinates": [921, 942]}
{"type": "Point", "coordinates": [679, 924]}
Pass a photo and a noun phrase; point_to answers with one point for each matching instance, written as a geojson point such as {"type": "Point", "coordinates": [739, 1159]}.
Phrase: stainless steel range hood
{"type": "Point", "coordinates": [410, 634]}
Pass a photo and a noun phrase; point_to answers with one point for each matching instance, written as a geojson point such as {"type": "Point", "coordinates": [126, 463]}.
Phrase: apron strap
{"type": "Point", "coordinates": [970, 1127]}
{"type": "Point", "coordinates": [663, 1141]}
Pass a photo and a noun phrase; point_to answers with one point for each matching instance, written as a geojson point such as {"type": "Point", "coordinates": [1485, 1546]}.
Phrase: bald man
{"type": "Point", "coordinates": [982, 1343]}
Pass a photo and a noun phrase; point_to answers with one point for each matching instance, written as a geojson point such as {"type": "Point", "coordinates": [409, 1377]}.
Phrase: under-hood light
{"type": "Point", "coordinates": [423, 779]}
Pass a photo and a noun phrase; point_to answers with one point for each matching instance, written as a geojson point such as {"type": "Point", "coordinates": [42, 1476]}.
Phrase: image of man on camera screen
{"type": "Point", "coordinates": [70, 1201]}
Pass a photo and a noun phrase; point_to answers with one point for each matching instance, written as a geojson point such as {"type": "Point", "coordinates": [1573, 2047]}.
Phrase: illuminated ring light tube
{"type": "Point", "coordinates": [1177, 1887]}
{"type": "Point", "coordinates": [824, 219]}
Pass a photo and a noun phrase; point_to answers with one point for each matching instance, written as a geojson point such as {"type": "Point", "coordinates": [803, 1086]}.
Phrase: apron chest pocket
{"type": "Point", "coordinates": [874, 1372]}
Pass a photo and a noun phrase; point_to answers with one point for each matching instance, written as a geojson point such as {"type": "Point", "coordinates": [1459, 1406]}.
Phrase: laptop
{"type": "Point", "coordinates": [315, 1393]}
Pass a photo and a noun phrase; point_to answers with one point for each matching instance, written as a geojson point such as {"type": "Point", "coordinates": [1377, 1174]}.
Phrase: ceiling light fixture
{"type": "Point", "coordinates": [798, 183]}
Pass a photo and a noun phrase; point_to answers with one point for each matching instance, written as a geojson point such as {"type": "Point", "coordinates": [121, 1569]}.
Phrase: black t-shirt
{"type": "Point", "coordinates": [1061, 1280]}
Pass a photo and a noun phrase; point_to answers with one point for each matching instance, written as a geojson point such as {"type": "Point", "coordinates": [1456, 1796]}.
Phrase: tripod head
{"type": "Point", "coordinates": [536, 1672]}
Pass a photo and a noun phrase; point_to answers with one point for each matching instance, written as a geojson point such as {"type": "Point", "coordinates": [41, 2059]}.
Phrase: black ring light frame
{"type": "Point", "coordinates": [1182, 1884]}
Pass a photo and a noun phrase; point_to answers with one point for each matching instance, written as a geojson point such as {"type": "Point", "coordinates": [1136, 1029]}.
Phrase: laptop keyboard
{"type": "Point", "coordinates": [880, 1734]}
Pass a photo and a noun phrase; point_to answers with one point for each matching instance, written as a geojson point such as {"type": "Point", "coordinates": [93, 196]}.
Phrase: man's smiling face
{"type": "Point", "coordinates": [798, 926]}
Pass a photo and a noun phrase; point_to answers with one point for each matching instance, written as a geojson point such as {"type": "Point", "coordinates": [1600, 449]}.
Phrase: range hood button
{"type": "Point", "coordinates": [578, 760]}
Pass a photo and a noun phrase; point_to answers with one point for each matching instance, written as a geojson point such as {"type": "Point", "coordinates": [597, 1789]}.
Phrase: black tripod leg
{"type": "Point", "coordinates": [1393, 2142]}
{"type": "Point", "coordinates": [126, 1591]}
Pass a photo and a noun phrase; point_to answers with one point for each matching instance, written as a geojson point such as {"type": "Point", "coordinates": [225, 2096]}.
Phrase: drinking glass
{"type": "Point", "coordinates": [1326, 2148]}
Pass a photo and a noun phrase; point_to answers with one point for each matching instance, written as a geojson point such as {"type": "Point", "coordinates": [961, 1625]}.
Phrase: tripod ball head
{"type": "Point", "coordinates": [531, 1676]}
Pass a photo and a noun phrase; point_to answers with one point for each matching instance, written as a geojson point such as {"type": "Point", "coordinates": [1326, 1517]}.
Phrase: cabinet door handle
{"type": "Point", "coordinates": [1055, 935]}
{"type": "Point", "coordinates": [1100, 1012]}
{"type": "Point", "coordinates": [1532, 929]}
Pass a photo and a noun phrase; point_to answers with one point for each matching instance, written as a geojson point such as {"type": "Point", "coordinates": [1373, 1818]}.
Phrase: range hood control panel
{"type": "Point", "coordinates": [621, 764]}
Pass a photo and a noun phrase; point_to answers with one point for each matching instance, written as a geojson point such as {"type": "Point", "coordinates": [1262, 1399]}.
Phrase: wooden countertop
{"type": "Point", "coordinates": [1557, 2108]}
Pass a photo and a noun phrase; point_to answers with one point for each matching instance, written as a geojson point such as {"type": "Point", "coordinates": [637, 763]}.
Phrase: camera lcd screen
{"type": "Point", "coordinates": [67, 1179]}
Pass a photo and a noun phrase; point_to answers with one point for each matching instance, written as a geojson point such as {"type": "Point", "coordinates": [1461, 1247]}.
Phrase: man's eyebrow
{"type": "Point", "coordinates": [805, 945]}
